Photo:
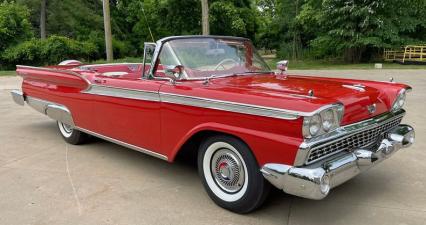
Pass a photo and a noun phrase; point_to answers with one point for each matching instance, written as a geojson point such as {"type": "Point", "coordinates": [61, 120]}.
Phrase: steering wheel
{"type": "Point", "coordinates": [223, 62]}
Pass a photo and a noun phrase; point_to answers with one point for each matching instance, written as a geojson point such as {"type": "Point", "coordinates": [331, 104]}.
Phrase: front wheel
{"type": "Point", "coordinates": [72, 135]}
{"type": "Point", "coordinates": [231, 175]}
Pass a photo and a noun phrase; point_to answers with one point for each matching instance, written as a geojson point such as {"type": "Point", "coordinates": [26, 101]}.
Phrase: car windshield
{"type": "Point", "coordinates": [206, 57]}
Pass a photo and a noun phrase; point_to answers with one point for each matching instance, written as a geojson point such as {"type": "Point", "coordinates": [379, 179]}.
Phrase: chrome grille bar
{"type": "Point", "coordinates": [360, 139]}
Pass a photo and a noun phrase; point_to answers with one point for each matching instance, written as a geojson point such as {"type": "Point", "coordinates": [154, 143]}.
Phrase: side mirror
{"type": "Point", "coordinates": [282, 66]}
{"type": "Point", "coordinates": [174, 71]}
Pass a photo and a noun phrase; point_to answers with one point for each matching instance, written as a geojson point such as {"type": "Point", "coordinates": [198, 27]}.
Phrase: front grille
{"type": "Point", "coordinates": [357, 140]}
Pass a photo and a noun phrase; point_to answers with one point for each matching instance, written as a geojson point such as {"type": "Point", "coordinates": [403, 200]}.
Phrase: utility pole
{"type": "Point", "coordinates": [107, 26]}
{"type": "Point", "coordinates": [295, 35]}
{"type": "Point", "coordinates": [43, 19]}
{"type": "Point", "coordinates": [205, 16]}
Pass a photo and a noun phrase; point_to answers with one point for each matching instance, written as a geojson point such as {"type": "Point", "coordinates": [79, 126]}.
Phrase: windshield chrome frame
{"type": "Point", "coordinates": [145, 57]}
{"type": "Point", "coordinates": [163, 41]}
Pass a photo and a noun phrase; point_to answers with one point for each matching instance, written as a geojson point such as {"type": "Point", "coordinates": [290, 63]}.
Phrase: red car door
{"type": "Point", "coordinates": [128, 109]}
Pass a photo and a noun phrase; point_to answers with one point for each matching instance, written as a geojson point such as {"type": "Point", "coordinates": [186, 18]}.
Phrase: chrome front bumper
{"type": "Point", "coordinates": [316, 180]}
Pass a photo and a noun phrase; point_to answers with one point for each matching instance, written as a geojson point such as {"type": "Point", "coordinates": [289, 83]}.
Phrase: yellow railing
{"type": "Point", "coordinates": [409, 53]}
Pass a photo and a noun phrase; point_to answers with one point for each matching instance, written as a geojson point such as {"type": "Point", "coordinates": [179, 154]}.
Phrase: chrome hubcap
{"type": "Point", "coordinates": [67, 128]}
{"type": "Point", "coordinates": [227, 170]}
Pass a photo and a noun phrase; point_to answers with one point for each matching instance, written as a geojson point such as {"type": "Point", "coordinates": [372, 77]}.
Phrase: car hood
{"type": "Point", "coordinates": [292, 92]}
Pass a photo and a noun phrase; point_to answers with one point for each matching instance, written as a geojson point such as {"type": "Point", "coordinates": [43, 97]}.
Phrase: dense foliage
{"type": "Point", "coordinates": [350, 30]}
{"type": "Point", "coordinates": [14, 24]}
{"type": "Point", "coordinates": [356, 26]}
{"type": "Point", "coordinates": [48, 51]}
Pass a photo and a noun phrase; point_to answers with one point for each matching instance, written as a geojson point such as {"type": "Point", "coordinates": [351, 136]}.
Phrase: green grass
{"type": "Point", "coordinates": [7, 73]}
{"type": "Point", "coordinates": [329, 65]}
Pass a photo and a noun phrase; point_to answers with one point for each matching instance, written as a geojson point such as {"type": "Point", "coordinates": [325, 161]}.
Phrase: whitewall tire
{"type": "Point", "coordinates": [70, 134]}
{"type": "Point", "coordinates": [231, 175]}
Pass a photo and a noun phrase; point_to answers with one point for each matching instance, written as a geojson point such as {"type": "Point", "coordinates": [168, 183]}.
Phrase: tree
{"type": "Point", "coordinates": [107, 27]}
{"type": "Point", "coordinates": [356, 27]}
{"type": "Point", "coordinates": [235, 18]}
{"type": "Point", "coordinates": [205, 16]}
{"type": "Point", "coordinates": [43, 19]}
{"type": "Point", "coordinates": [279, 28]}
{"type": "Point", "coordinates": [14, 24]}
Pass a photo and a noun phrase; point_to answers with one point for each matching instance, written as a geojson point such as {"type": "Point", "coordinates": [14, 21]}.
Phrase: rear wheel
{"type": "Point", "coordinates": [71, 135]}
{"type": "Point", "coordinates": [231, 175]}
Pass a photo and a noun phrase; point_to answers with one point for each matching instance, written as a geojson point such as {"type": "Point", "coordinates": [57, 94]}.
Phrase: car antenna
{"type": "Point", "coordinates": [146, 21]}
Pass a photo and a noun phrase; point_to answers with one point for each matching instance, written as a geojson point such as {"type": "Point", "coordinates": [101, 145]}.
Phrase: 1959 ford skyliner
{"type": "Point", "coordinates": [250, 127]}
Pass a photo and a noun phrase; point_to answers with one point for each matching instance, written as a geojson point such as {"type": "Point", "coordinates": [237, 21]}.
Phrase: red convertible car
{"type": "Point", "coordinates": [214, 96]}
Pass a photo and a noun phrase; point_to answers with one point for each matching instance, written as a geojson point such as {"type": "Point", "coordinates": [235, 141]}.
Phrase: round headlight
{"type": "Point", "coordinates": [315, 125]}
{"type": "Point", "coordinates": [327, 120]}
{"type": "Point", "coordinates": [401, 100]}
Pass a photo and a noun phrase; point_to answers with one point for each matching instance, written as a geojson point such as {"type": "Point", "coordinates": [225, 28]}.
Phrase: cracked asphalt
{"type": "Point", "coordinates": [45, 181]}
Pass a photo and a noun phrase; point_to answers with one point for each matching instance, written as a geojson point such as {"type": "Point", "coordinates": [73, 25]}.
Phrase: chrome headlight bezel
{"type": "Point", "coordinates": [400, 99]}
{"type": "Point", "coordinates": [335, 111]}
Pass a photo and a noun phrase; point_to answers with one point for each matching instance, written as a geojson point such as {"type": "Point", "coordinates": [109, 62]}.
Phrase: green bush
{"type": "Point", "coordinates": [121, 49]}
{"type": "Point", "coordinates": [49, 51]}
{"type": "Point", "coordinates": [57, 49]}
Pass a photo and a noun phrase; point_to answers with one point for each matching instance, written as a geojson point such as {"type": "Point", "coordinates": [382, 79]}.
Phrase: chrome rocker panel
{"type": "Point", "coordinates": [315, 181]}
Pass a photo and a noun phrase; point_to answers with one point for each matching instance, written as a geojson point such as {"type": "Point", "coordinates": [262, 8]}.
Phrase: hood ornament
{"type": "Point", "coordinates": [372, 108]}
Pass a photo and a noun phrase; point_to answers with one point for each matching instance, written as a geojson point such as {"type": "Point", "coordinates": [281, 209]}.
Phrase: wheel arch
{"type": "Point", "coordinates": [266, 147]}
{"type": "Point", "coordinates": [191, 142]}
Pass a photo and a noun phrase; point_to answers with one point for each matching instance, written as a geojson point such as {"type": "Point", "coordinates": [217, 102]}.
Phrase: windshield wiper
{"type": "Point", "coordinates": [207, 79]}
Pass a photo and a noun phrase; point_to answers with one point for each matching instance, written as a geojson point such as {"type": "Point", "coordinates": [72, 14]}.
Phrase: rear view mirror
{"type": "Point", "coordinates": [174, 71]}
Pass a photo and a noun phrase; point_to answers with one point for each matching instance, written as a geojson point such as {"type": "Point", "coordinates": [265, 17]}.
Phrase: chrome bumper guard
{"type": "Point", "coordinates": [315, 181]}
{"type": "Point", "coordinates": [53, 110]}
{"type": "Point", "coordinates": [18, 97]}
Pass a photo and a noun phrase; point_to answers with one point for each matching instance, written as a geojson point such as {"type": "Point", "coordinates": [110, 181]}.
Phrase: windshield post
{"type": "Point", "coordinates": [249, 53]}
{"type": "Point", "coordinates": [148, 50]}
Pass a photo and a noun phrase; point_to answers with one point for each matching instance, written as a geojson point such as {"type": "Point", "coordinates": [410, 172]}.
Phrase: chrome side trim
{"type": "Point", "coordinates": [123, 93]}
{"type": "Point", "coordinates": [201, 102]}
{"type": "Point", "coordinates": [18, 97]}
{"type": "Point", "coordinates": [228, 106]}
{"type": "Point", "coordinates": [341, 133]}
{"type": "Point", "coordinates": [53, 110]}
{"type": "Point", "coordinates": [127, 145]}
